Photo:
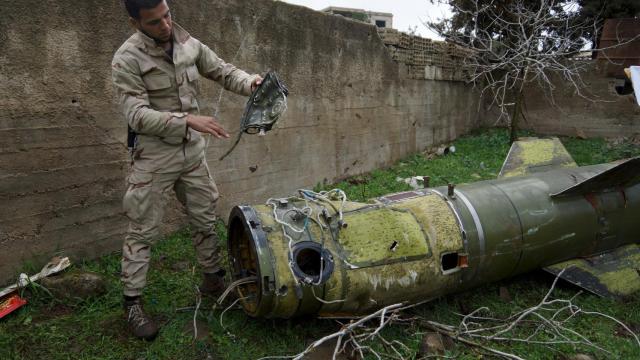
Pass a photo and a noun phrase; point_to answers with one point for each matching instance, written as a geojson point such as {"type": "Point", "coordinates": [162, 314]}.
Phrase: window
{"type": "Point", "coordinates": [381, 23]}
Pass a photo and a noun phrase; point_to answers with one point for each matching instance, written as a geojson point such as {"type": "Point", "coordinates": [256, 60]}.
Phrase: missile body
{"type": "Point", "coordinates": [311, 255]}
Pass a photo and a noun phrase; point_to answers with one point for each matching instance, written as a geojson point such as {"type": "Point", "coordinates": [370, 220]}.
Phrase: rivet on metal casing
{"type": "Point", "coordinates": [451, 190]}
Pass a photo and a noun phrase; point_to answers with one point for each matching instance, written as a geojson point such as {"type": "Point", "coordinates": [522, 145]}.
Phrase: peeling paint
{"type": "Point", "coordinates": [377, 279]}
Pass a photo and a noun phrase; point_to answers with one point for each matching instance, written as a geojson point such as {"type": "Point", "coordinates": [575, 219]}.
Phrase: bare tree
{"type": "Point", "coordinates": [517, 44]}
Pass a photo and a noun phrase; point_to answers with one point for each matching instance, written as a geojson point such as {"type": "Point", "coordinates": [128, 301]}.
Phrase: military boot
{"type": "Point", "coordinates": [140, 324]}
{"type": "Point", "coordinates": [213, 284]}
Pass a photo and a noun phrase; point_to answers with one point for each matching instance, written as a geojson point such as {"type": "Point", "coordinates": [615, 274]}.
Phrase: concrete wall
{"type": "Point", "coordinates": [605, 114]}
{"type": "Point", "coordinates": [63, 157]}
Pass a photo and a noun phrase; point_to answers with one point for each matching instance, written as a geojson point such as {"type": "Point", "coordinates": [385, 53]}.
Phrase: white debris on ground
{"type": "Point", "coordinates": [415, 182]}
{"type": "Point", "coordinates": [54, 266]}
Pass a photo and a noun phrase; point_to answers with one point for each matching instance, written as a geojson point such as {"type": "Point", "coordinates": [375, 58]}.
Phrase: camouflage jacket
{"type": "Point", "coordinates": [156, 93]}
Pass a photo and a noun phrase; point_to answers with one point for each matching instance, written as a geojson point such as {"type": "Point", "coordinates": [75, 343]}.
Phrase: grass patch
{"type": "Point", "coordinates": [47, 329]}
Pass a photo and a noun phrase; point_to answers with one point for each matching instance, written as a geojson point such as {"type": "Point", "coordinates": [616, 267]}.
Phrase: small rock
{"type": "Point", "coordinates": [445, 150]}
{"type": "Point", "coordinates": [504, 294]}
{"type": "Point", "coordinates": [75, 286]}
{"type": "Point", "coordinates": [580, 134]}
{"type": "Point", "coordinates": [464, 306]}
{"type": "Point", "coordinates": [326, 349]}
{"type": "Point", "coordinates": [434, 344]}
{"type": "Point", "coordinates": [442, 151]}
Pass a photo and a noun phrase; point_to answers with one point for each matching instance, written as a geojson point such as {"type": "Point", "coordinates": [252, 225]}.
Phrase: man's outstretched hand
{"type": "Point", "coordinates": [256, 83]}
{"type": "Point", "coordinates": [207, 125]}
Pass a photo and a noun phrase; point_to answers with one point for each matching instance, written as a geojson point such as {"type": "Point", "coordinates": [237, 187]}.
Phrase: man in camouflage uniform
{"type": "Point", "coordinates": [155, 74]}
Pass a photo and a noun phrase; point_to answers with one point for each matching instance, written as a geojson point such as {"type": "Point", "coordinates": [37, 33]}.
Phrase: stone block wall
{"type": "Point", "coordinates": [598, 111]}
{"type": "Point", "coordinates": [63, 156]}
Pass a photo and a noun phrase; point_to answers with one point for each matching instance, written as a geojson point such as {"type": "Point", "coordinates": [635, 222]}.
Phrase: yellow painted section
{"type": "Point", "coordinates": [624, 282]}
{"type": "Point", "coordinates": [423, 226]}
{"type": "Point", "coordinates": [382, 235]}
{"type": "Point", "coordinates": [527, 154]}
{"type": "Point", "coordinates": [438, 222]}
{"type": "Point", "coordinates": [537, 152]}
{"type": "Point", "coordinates": [624, 279]}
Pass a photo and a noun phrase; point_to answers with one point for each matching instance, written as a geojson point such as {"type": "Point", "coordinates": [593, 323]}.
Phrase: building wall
{"type": "Point", "coordinates": [63, 158]}
{"type": "Point", "coordinates": [599, 112]}
{"type": "Point", "coordinates": [361, 15]}
{"type": "Point", "coordinates": [621, 50]}
{"type": "Point", "coordinates": [387, 18]}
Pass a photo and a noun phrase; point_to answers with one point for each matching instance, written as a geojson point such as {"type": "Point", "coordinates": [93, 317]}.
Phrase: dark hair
{"type": "Point", "coordinates": [134, 6]}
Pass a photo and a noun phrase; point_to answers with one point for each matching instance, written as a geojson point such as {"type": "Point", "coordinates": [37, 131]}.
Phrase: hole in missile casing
{"type": "Point", "coordinates": [311, 262]}
{"type": "Point", "coordinates": [393, 246]}
{"type": "Point", "coordinates": [283, 290]}
{"type": "Point", "coordinates": [449, 262]}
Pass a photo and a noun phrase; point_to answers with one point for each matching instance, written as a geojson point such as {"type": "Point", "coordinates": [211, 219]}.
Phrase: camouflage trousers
{"type": "Point", "coordinates": [144, 205]}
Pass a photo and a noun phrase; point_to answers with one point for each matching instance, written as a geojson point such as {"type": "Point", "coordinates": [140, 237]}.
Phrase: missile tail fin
{"type": "Point", "coordinates": [622, 175]}
{"type": "Point", "coordinates": [532, 155]}
{"type": "Point", "coordinates": [612, 274]}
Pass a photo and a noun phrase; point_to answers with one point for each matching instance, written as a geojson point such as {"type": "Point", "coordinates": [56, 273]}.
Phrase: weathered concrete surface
{"type": "Point", "coordinates": [63, 157]}
{"type": "Point", "coordinates": [606, 114]}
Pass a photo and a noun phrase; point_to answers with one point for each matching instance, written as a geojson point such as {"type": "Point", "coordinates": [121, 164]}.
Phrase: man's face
{"type": "Point", "coordinates": [156, 22]}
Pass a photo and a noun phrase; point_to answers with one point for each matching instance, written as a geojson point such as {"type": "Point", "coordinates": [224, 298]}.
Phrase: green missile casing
{"type": "Point", "coordinates": [419, 245]}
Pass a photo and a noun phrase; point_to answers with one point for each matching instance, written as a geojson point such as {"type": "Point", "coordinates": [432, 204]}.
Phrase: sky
{"type": "Point", "coordinates": [406, 13]}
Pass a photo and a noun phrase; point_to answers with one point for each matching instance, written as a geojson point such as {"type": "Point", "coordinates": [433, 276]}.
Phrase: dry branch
{"type": "Point", "coordinates": [519, 44]}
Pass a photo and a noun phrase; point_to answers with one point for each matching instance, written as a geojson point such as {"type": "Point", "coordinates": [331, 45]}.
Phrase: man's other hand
{"type": "Point", "coordinates": [207, 125]}
{"type": "Point", "coordinates": [256, 83]}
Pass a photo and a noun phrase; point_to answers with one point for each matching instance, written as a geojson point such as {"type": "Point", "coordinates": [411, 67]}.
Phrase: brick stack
{"type": "Point", "coordinates": [426, 58]}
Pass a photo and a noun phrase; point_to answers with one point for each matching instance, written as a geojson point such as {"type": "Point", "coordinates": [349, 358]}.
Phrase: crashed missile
{"type": "Point", "coordinates": [320, 254]}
